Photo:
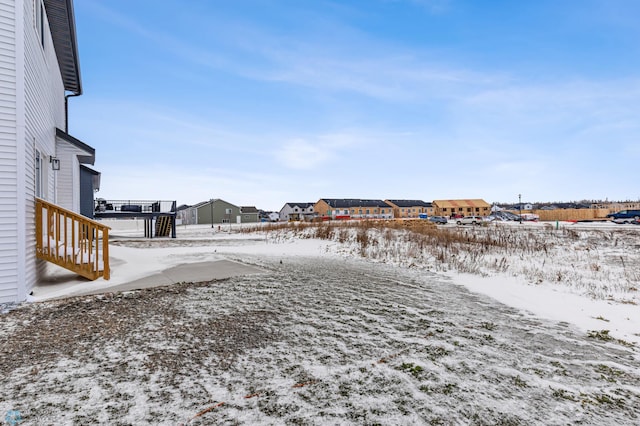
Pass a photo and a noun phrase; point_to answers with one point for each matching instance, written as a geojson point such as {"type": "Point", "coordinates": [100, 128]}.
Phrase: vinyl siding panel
{"type": "Point", "coordinates": [68, 176]}
{"type": "Point", "coordinates": [44, 111]}
{"type": "Point", "coordinates": [31, 107]}
{"type": "Point", "coordinates": [8, 155]}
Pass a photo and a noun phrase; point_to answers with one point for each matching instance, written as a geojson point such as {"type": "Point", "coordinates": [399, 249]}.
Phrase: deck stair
{"type": "Point", "coordinates": [72, 241]}
{"type": "Point", "coordinates": [163, 226]}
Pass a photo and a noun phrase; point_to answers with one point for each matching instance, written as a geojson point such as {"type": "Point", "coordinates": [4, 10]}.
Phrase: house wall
{"type": "Point", "coordinates": [86, 193]}
{"type": "Point", "coordinates": [321, 208]}
{"type": "Point", "coordinates": [31, 106]}
{"type": "Point", "coordinates": [362, 212]}
{"type": "Point", "coordinates": [294, 212]}
{"type": "Point", "coordinates": [415, 211]}
{"type": "Point", "coordinates": [11, 201]}
{"type": "Point", "coordinates": [188, 216]}
{"type": "Point", "coordinates": [43, 112]}
{"type": "Point", "coordinates": [219, 213]}
{"type": "Point", "coordinates": [462, 208]}
{"type": "Point", "coordinates": [250, 218]}
{"type": "Point", "coordinates": [68, 177]}
{"type": "Point", "coordinates": [411, 212]}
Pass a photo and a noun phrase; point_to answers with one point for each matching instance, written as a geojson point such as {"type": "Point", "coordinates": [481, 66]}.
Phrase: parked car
{"type": "Point", "coordinates": [530, 217]}
{"type": "Point", "coordinates": [503, 216]}
{"type": "Point", "coordinates": [470, 220]}
{"type": "Point", "coordinates": [438, 219]}
{"type": "Point", "coordinates": [625, 216]}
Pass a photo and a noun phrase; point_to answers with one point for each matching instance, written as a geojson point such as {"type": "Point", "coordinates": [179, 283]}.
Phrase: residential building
{"type": "Point", "coordinates": [341, 208]}
{"type": "Point", "coordinates": [214, 211]}
{"type": "Point", "coordinates": [297, 211]}
{"type": "Point", "coordinates": [410, 209]}
{"type": "Point", "coordinates": [472, 207]}
{"type": "Point", "coordinates": [39, 161]}
{"type": "Point", "coordinates": [250, 214]}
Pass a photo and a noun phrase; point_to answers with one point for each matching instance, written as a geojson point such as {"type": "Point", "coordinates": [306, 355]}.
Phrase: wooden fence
{"type": "Point", "coordinates": [569, 214]}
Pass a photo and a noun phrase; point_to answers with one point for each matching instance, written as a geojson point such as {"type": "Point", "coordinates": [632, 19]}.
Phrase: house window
{"type": "Point", "coordinates": [38, 174]}
{"type": "Point", "coordinates": [40, 19]}
{"type": "Point", "coordinates": [367, 211]}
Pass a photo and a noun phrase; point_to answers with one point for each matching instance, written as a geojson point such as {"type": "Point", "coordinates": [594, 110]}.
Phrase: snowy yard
{"type": "Point", "coordinates": [340, 332]}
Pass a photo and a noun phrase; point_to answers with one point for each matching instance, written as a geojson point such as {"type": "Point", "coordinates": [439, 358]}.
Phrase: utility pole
{"type": "Point", "coordinates": [520, 206]}
{"type": "Point", "coordinates": [211, 207]}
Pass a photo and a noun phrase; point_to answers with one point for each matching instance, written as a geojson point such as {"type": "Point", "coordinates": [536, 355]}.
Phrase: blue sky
{"type": "Point", "coordinates": [265, 102]}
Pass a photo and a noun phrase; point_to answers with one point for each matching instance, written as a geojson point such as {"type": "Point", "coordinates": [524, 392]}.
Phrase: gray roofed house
{"type": "Point", "coordinates": [353, 208]}
{"type": "Point", "coordinates": [250, 214]}
{"type": "Point", "coordinates": [209, 212]}
{"type": "Point", "coordinates": [297, 211]}
{"type": "Point", "coordinates": [353, 202]}
{"type": "Point", "coordinates": [410, 203]}
{"type": "Point", "coordinates": [411, 209]}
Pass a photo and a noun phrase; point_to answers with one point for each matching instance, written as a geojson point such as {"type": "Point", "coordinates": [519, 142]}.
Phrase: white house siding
{"type": "Point", "coordinates": [44, 111]}
{"type": "Point", "coordinates": [9, 217]}
{"type": "Point", "coordinates": [68, 177]}
{"type": "Point", "coordinates": [31, 107]}
{"type": "Point", "coordinates": [293, 209]}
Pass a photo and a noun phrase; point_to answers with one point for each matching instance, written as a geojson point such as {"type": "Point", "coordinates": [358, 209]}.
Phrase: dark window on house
{"type": "Point", "coordinates": [40, 18]}
{"type": "Point", "coordinates": [38, 174]}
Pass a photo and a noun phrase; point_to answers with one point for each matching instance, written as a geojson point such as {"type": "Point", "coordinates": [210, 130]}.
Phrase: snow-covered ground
{"type": "Point", "coordinates": [589, 275]}
{"type": "Point", "coordinates": [335, 332]}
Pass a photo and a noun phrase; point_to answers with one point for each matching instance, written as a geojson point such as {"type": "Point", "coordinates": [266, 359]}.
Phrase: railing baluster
{"type": "Point", "coordinates": [81, 252]}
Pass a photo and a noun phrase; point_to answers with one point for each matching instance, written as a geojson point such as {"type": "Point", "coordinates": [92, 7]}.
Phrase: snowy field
{"type": "Point", "coordinates": [366, 326]}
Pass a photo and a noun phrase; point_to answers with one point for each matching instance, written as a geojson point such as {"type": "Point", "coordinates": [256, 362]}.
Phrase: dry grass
{"type": "Point", "coordinates": [600, 264]}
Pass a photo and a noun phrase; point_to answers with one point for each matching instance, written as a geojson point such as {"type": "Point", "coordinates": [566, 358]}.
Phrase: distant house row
{"type": "Point", "coordinates": [347, 208]}
{"type": "Point", "coordinates": [221, 211]}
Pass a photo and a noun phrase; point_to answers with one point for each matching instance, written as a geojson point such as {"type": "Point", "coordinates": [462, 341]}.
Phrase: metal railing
{"type": "Point", "coordinates": [133, 206]}
{"type": "Point", "coordinates": [72, 241]}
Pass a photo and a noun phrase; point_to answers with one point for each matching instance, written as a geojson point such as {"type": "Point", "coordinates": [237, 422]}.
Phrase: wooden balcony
{"type": "Point", "coordinates": [72, 241]}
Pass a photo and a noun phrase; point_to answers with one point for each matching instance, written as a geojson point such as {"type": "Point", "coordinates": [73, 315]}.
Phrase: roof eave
{"type": "Point", "coordinates": [90, 156]}
{"type": "Point", "coordinates": [63, 32]}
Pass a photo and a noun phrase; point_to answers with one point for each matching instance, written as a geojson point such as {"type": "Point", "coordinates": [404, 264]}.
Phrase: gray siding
{"type": "Point", "coordinates": [86, 193]}
{"type": "Point", "coordinates": [205, 212]}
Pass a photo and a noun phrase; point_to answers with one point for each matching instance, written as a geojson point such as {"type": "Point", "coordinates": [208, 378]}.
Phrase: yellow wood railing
{"type": "Point", "coordinates": [72, 241]}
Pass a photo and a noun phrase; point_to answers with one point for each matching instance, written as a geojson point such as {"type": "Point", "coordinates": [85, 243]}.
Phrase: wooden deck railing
{"type": "Point", "coordinates": [72, 241]}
